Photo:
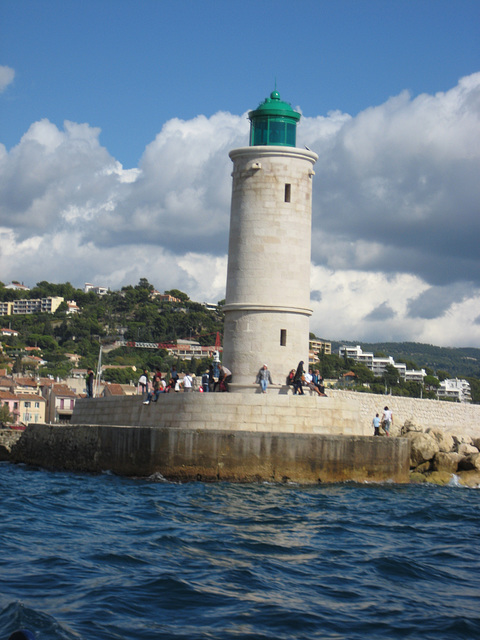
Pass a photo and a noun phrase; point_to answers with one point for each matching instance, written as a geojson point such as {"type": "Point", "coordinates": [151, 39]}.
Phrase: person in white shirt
{"type": "Point", "coordinates": [387, 420]}
{"type": "Point", "coordinates": [187, 382]}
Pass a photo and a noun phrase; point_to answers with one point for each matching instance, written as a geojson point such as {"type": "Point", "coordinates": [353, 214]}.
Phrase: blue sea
{"type": "Point", "coordinates": [100, 557]}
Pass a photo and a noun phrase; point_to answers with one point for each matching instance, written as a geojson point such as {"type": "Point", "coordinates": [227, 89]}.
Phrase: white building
{"type": "Point", "coordinates": [379, 365]}
{"type": "Point", "coordinates": [100, 291]}
{"type": "Point", "coordinates": [455, 389]}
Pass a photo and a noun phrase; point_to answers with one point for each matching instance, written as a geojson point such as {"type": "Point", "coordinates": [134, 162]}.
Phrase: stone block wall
{"type": "Point", "coordinates": [448, 416]}
{"type": "Point", "coordinates": [227, 411]}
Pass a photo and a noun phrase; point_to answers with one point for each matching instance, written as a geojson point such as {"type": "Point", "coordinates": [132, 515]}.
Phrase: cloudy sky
{"type": "Point", "coordinates": [116, 118]}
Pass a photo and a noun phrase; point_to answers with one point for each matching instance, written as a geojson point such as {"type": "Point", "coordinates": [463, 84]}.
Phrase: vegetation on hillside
{"type": "Point", "coordinates": [131, 314]}
{"type": "Point", "coordinates": [134, 315]}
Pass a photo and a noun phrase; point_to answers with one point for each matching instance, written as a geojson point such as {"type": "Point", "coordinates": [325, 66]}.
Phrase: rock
{"type": "Point", "coordinates": [469, 478]}
{"type": "Point", "coordinates": [423, 447]}
{"type": "Point", "coordinates": [439, 477]}
{"type": "Point", "coordinates": [466, 449]}
{"type": "Point", "coordinates": [410, 426]}
{"type": "Point", "coordinates": [8, 439]}
{"type": "Point", "coordinates": [470, 462]}
{"type": "Point", "coordinates": [476, 443]}
{"type": "Point", "coordinates": [462, 439]}
{"type": "Point", "coordinates": [424, 467]}
{"type": "Point", "coordinates": [445, 440]}
{"type": "Point", "coordinates": [447, 462]}
{"type": "Point", "coordinates": [395, 431]}
{"type": "Point", "coordinates": [417, 478]}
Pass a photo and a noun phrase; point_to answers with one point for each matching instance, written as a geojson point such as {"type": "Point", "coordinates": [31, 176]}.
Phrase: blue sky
{"type": "Point", "coordinates": [129, 66]}
{"type": "Point", "coordinates": [116, 119]}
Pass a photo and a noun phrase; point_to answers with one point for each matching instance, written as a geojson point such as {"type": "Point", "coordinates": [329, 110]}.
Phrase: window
{"type": "Point", "coordinates": [37, 405]}
{"type": "Point", "coordinates": [283, 337]}
{"type": "Point", "coordinates": [27, 405]}
{"type": "Point", "coordinates": [288, 190]}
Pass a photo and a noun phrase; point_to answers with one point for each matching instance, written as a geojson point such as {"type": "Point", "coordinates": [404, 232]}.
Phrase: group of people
{"type": "Point", "coordinates": [218, 379]}
{"type": "Point", "coordinates": [385, 422]}
{"type": "Point", "coordinates": [297, 378]}
{"type": "Point", "coordinates": [157, 385]}
{"type": "Point", "coordinates": [218, 382]}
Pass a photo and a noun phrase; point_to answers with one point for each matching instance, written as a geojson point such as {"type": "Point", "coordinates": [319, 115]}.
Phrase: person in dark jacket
{"type": "Point", "coordinates": [297, 380]}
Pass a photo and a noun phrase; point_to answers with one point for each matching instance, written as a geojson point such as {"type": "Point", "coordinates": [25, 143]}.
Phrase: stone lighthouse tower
{"type": "Point", "coordinates": [267, 305]}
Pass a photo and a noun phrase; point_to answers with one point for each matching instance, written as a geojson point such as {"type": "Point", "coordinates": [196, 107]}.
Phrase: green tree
{"type": "Point", "coordinates": [391, 376]}
{"type": "Point", "coordinates": [5, 415]}
{"type": "Point", "coordinates": [120, 376]}
{"type": "Point", "coordinates": [442, 375]}
{"type": "Point", "coordinates": [431, 381]}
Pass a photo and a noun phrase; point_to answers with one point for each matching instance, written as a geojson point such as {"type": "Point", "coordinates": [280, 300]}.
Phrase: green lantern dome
{"type": "Point", "coordinates": [273, 122]}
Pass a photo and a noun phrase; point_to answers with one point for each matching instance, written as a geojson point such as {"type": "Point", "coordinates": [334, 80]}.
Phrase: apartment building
{"type": "Point", "coordinates": [378, 365]}
{"type": "Point", "coordinates": [455, 389]}
{"type": "Point", "coordinates": [26, 306]}
{"type": "Point", "coordinates": [319, 346]}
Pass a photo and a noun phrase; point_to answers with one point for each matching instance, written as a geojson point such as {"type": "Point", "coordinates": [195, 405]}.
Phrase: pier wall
{"type": "Point", "coordinates": [449, 416]}
{"type": "Point", "coordinates": [269, 412]}
{"type": "Point", "coordinates": [211, 455]}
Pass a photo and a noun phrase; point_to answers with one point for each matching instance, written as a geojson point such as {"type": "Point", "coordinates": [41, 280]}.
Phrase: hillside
{"type": "Point", "coordinates": [458, 362]}
{"type": "Point", "coordinates": [135, 314]}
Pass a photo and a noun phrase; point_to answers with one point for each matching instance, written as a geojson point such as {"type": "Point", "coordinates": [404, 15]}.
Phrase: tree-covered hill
{"type": "Point", "coordinates": [132, 314]}
{"type": "Point", "coordinates": [457, 362]}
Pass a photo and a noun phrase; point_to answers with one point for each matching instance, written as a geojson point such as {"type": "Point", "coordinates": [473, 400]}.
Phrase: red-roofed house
{"type": "Point", "coordinates": [60, 403]}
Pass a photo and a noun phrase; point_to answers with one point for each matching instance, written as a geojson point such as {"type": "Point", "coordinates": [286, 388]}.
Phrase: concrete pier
{"type": "Point", "coordinates": [215, 437]}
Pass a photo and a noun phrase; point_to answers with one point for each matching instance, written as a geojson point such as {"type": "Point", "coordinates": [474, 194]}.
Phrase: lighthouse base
{"type": "Point", "coordinates": [219, 436]}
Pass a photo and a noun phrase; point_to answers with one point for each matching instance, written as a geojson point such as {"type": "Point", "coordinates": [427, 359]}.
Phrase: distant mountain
{"type": "Point", "coordinates": [458, 362]}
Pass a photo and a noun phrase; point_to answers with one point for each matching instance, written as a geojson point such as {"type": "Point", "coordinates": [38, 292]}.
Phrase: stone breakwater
{"type": "Point", "coordinates": [443, 438]}
{"type": "Point", "coordinates": [436, 455]}
{"type": "Point", "coordinates": [8, 439]}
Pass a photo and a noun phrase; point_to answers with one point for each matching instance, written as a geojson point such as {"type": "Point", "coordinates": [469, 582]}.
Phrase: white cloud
{"type": "Point", "coordinates": [395, 213]}
{"type": "Point", "coordinates": [7, 74]}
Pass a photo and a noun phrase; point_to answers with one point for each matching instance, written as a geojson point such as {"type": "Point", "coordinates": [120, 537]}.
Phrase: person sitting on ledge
{"type": "Point", "coordinates": [308, 377]}
{"type": "Point", "coordinates": [263, 378]}
{"type": "Point", "coordinates": [156, 388]}
{"type": "Point", "coordinates": [291, 378]}
{"type": "Point", "coordinates": [318, 382]}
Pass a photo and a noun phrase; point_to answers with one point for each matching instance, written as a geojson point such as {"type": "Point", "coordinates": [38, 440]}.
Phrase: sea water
{"type": "Point", "coordinates": [101, 557]}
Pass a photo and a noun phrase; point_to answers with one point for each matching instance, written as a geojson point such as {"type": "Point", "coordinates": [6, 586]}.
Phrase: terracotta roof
{"type": "Point", "coordinates": [32, 397]}
{"type": "Point", "coordinates": [115, 389]}
{"type": "Point", "coordinates": [8, 395]}
{"type": "Point", "coordinates": [63, 390]}
{"type": "Point", "coordinates": [25, 382]}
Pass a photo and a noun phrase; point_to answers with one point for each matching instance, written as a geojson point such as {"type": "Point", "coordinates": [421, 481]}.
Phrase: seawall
{"type": "Point", "coordinates": [234, 437]}
{"type": "Point", "coordinates": [451, 417]}
{"type": "Point", "coordinates": [211, 455]}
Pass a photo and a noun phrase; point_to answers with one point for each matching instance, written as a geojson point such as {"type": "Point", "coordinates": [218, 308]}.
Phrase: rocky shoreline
{"type": "Point", "coordinates": [436, 455]}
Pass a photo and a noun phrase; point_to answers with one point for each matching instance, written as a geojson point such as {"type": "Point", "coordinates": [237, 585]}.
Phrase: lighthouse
{"type": "Point", "coordinates": [267, 303]}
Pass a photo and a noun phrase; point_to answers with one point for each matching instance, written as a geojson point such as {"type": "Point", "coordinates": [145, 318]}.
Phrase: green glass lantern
{"type": "Point", "coordinates": [274, 122]}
